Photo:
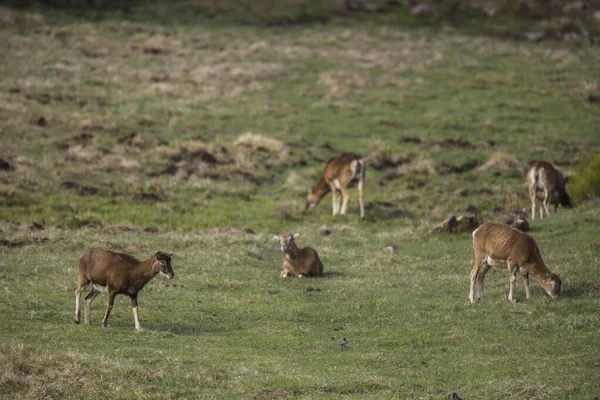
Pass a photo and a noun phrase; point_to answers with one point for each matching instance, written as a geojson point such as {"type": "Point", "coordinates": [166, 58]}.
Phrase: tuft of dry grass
{"type": "Point", "coordinates": [502, 163]}
{"type": "Point", "coordinates": [257, 142]}
{"type": "Point", "coordinates": [424, 166]}
{"type": "Point", "coordinates": [340, 83]}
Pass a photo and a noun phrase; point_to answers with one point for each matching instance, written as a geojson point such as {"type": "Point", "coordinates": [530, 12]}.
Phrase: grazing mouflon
{"type": "Point", "coordinates": [339, 174]}
{"type": "Point", "coordinates": [502, 246]}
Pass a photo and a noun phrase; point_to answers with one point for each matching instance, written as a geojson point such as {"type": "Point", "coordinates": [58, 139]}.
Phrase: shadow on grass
{"type": "Point", "coordinates": [178, 329]}
{"type": "Point", "coordinates": [580, 290]}
{"type": "Point", "coordinates": [332, 274]}
{"type": "Point", "coordinates": [384, 210]}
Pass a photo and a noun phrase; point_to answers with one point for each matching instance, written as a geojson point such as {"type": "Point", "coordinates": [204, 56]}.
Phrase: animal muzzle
{"type": "Point", "coordinates": [169, 275]}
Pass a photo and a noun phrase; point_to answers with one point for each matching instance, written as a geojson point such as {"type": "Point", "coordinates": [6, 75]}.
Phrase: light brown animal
{"type": "Point", "coordinates": [117, 273]}
{"type": "Point", "coordinates": [502, 246]}
{"type": "Point", "coordinates": [339, 174]}
{"type": "Point", "coordinates": [547, 184]}
{"type": "Point", "coordinates": [298, 262]}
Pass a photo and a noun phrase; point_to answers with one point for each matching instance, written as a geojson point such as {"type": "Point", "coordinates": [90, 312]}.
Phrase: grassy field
{"type": "Point", "coordinates": [200, 138]}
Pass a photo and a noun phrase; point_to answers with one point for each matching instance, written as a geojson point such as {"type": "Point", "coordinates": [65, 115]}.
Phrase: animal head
{"type": "Point", "coordinates": [565, 200]}
{"type": "Point", "coordinates": [287, 242]}
{"type": "Point", "coordinates": [554, 285]}
{"type": "Point", "coordinates": [164, 263]}
{"type": "Point", "coordinates": [312, 199]}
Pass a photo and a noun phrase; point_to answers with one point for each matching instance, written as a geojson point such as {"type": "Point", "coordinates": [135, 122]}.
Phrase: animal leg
{"type": "Point", "coordinates": [512, 269]}
{"type": "Point", "coordinates": [546, 202]}
{"type": "Point", "coordinates": [532, 198]}
{"type": "Point", "coordinates": [361, 197]}
{"type": "Point", "coordinates": [109, 306]}
{"type": "Point", "coordinates": [88, 304]}
{"type": "Point", "coordinates": [346, 198]}
{"type": "Point", "coordinates": [136, 316]}
{"type": "Point", "coordinates": [81, 284]}
{"type": "Point", "coordinates": [334, 200]}
{"type": "Point", "coordinates": [527, 288]}
{"type": "Point", "coordinates": [481, 278]}
{"type": "Point", "coordinates": [474, 272]}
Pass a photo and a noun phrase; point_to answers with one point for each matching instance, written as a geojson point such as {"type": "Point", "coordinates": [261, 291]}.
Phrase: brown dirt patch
{"type": "Point", "coordinates": [386, 160]}
{"type": "Point", "coordinates": [22, 242]}
{"type": "Point", "coordinates": [445, 168]}
{"type": "Point", "coordinates": [384, 210]}
{"type": "Point", "coordinates": [5, 165]}
{"type": "Point", "coordinates": [459, 143]}
{"type": "Point", "coordinates": [82, 190]}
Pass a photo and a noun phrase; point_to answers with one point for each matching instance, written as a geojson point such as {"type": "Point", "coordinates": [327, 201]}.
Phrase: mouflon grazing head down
{"type": "Point", "coordinates": [340, 173]}
{"type": "Point", "coordinates": [499, 245]}
{"type": "Point", "coordinates": [298, 262]}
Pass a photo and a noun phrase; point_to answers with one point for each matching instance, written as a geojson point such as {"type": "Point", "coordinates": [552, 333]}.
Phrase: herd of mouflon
{"type": "Point", "coordinates": [495, 245]}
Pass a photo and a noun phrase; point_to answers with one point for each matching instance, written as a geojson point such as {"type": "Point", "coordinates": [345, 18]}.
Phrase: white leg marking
{"type": "Point", "coordinates": [136, 317]}
{"type": "Point", "coordinates": [77, 310]}
{"type": "Point", "coordinates": [334, 200]}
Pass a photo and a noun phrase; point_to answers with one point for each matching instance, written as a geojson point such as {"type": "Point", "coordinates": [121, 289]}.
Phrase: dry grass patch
{"type": "Point", "coordinates": [156, 44]}
{"type": "Point", "coordinates": [423, 166]}
{"type": "Point", "coordinates": [10, 18]}
{"type": "Point", "coordinates": [340, 83]}
{"type": "Point", "coordinates": [503, 163]}
{"type": "Point", "coordinates": [83, 153]}
{"type": "Point", "coordinates": [257, 142]}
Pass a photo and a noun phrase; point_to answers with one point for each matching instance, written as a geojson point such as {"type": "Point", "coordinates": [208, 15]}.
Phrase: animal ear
{"type": "Point", "coordinates": [296, 235]}
{"type": "Point", "coordinates": [171, 255]}
{"type": "Point", "coordinates": [276, 237]}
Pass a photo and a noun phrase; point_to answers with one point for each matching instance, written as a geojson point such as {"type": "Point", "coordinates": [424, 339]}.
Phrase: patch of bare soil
{"type": "Point", "coordinates": [386, 160]}
{"type": "Point", "coordinates": [445, 168]}
{"type": "Point", "coordinates": [450, 143]}
{"type": "Point", "coordinates": [147, 196]}
{"type": "Point", "coordinates": [421, 166]}
{"type": "Point", "coordinates": [384, 210]}
{"type": "Point", "coordinates": [455, 143]}
{"type": "Point", "coordinates": [409, 139]}
{"type": "Point", "coordinates": [5, 165]}
{"type": "Point", "coordinates": [83, 139]}
{"type": "Point", "coordinates": [23, 242]}
{"type": "Point", "coordinates": [82, 190]}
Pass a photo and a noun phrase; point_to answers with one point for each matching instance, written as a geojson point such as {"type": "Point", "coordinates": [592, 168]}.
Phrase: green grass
{"type": "Point", "coordinates": [73, 90]}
